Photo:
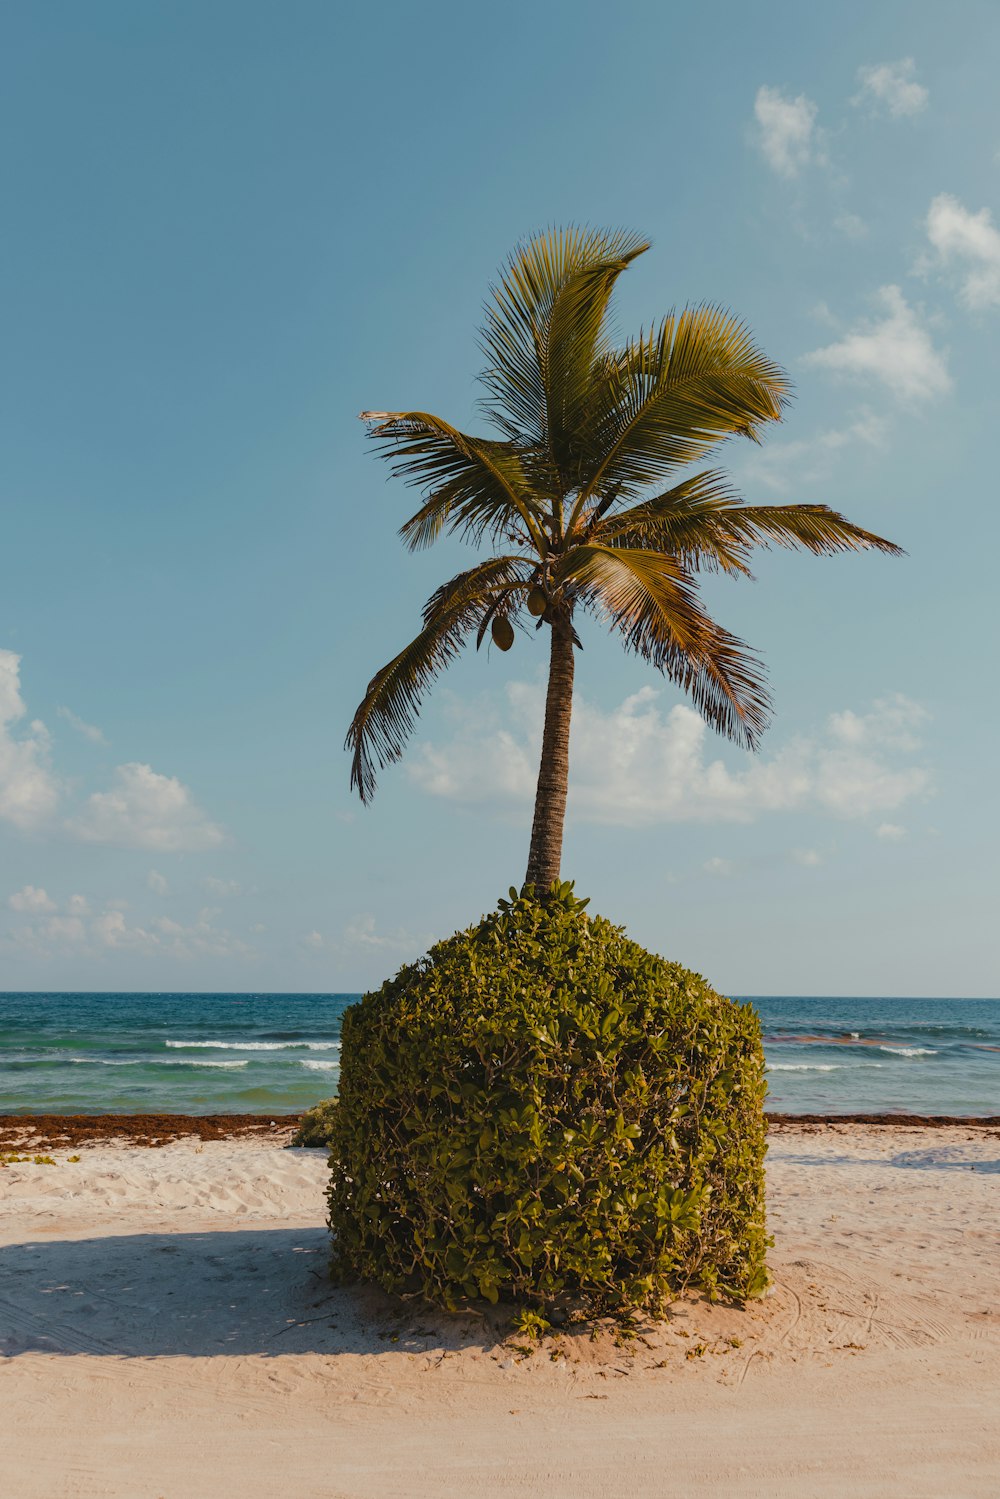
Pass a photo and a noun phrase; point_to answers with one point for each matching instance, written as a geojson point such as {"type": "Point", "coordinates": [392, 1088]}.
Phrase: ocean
{"type": "Point", "coordinates": [261, 1053]}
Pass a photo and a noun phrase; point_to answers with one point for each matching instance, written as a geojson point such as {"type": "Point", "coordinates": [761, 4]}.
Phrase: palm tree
{"type": "Point", "coordinates": [570, 498]}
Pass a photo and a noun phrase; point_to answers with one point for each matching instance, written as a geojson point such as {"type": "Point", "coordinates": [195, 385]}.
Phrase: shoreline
{"type": "Point", "coordinates": [55, 1131]}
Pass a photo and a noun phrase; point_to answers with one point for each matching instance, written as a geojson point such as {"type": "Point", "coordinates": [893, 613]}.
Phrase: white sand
{"type": "Point", "coordinates": [168, 1334]}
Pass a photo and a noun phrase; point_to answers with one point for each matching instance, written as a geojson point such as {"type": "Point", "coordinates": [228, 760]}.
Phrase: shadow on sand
{"type": "Point", "coordinates": [942, 1158]}
{"type": "Point", "coordinates": [258, 1291]}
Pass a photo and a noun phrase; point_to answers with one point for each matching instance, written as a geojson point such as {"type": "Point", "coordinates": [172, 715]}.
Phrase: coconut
{"type": "Point", "coordinates": [503, 633]}
{"type": "Point", "coordinates": [537, 602]}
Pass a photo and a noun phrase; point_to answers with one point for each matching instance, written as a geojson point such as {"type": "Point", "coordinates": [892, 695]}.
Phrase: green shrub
{"type": "Point", "coordinates": [316, 1124]}
{"type": "Point", "coordinates": [539, 1110]}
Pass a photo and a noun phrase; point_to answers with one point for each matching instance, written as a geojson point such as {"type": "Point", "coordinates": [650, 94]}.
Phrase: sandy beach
{"type": "Point", "coordinates": [167, 1332]}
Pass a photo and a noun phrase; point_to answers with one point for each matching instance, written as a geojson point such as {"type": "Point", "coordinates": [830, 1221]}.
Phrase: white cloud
{"type": "Point", "coordinates": [158, 883]}
{"type": "Point", "coordinates": [893, 85]}
{"type": "Point", "coordinates": [785, 130]}
{"type": "Point", "coordinates": [896, 350]}
{"type": "Point", "coordinates": [31, 899]}
{"type": "Point", "coordinates": [635, 766]}
{"type": "Point", "coordinates": [142, 810]}
{"type": "Point", "coordinates": [112, 930]}
{"type": "Point", "coordinates": [218, 887]}
{"type": "Point", "coordinates": [361, 934]}
{"type": "Point", "coordinates": [851, 225]}
{"type": "Point", "coordinates": [109, 932]}
{"type": "Point", "coordinates": [784, 466]}
{"type": "Point", "coordinates": [29, 791]}
{"type": "Point", "coordinates": [809, 858]}
{"type": "Point", "coordinates": [720, 868]}
{"type": "Point", "coordinates": [892, 723]}
{"type": "Point", "coordinates": [969, 243]}
{"type": "Point", "coordinates": [88, 730]}
{"type": "Point", "coordinates": [890, 832]}
{"type": "Point", "coordinates": [146, 810]}
{"type": "Point", "coordinates": [64, 929]}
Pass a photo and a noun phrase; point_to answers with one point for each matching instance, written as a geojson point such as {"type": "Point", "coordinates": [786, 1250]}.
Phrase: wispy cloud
{"type": "Point", "coordinates": [362, 932]}
{"type": "Point", "coordinates": [806, 858]}
{"type": "Point", "coordinates": [31, 898]}
{"type": "Point", "coordinates": [146, 810]}
{"type": "Point", "coordinates": [142, 809]}
{"type": "Point", "coordinates": [785, 130]}
{"type": "Point", "coordinates": [46, 931]}
{"type": "Point", "coordinates": [892, 86]}
{"type": "Point", "coordinates": [967, 245]}
{"type": "Point", "coordinates": [784, 466]}
{"type": "Point", "coordinates": [29, 791]}
{"type": "Point", "coordinates": [851, 225]}
{"type": "Point", "coordinates": [895, 350]}
{"type": "Point", "coordinates": [636, 765]}
{"type": "Point", "coordinates": [88, 730]}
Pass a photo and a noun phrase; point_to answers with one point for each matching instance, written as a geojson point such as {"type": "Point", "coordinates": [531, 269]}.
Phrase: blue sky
{"type": "Point", "coordinates": [229, 228]}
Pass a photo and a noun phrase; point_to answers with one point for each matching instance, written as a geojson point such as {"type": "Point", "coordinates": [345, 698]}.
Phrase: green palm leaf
{"type": "Point", "coordinates": [816, 528]}
{"type": "Point", "coordinates": [543, 332]}
{"type": "Point", "coordinates": [675, 393]}
{"type": "Point", "coordinates": [391, 705]}
{"type": "Point", "coordinates": [476, 487]}
{"type": "Point", "coordinates": [651, 601]}
{"type": "Point", "coordinates": [705, 523]}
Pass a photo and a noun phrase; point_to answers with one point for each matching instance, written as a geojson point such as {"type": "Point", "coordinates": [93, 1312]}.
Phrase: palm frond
{"type": "Point", "coordinates": [391, 705]}
{"type": "Point", "coordinates": [817, 528]}
{"type": "Point", "coordinates": [682, 521]}
{"type": "Point", "coordinates": [650, 599]}
{"type": "Point", "coordinates": [676, 392]}
{"type": "Point", "coordinates": [474, 486]}
{"type": "Point", "coordinates": [577, 341]}
{"type": "Point", "coordinates": [544, 331]}
{"type": "Point", "coordinates": [707, 525]}
{"type": "Point", "coordinates": [629, 582]}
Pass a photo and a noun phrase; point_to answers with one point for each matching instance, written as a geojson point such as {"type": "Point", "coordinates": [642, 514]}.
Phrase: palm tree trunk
{"type": "Point", "coordinates": [553, 776]}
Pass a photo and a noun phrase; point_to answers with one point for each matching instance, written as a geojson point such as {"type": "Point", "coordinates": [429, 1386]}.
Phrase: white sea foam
{"type": "Point", "coordinates": [170, 1062]}
{"type": "Point", "coordinates": [804, 1066]}
{"type": "Point", "coordinates": [255, 1045]}
{"type": "Point", "coordinates": [110, 1061]}
{"type": "Point", "coordinates": [320, 1066]}
{"type": "Point", "coordinates": [909, 1051]}
{"type": "Point", "coordinates": [821, 1066]}
{"type": "Point", "coordinates": [152, 1062]}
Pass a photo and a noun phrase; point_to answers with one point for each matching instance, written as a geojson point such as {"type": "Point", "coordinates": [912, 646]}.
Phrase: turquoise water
{"type": "Point", "coordinates": [255, 1053]}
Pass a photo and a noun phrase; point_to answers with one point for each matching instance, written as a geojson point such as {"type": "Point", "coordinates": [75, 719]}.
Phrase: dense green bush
{"type": "Point", "coordinates": [541, 1111]}
{"type": "Point", "coordinates": [316, 1124]}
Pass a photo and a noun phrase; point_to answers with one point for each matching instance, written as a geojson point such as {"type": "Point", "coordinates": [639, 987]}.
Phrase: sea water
{"type": "Point", "coordinates": [261, 1053]}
